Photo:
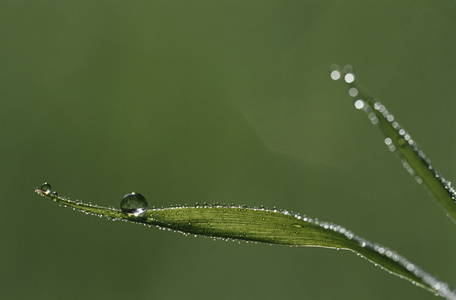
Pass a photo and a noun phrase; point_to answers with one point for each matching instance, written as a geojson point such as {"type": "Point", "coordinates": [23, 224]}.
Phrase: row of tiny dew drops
{"type": "Point", "coordinates": [405, 139]}
{"type": "Point", "coordinates": [133, 204]}
{"type": "Point", "coordinates": [349, 78]}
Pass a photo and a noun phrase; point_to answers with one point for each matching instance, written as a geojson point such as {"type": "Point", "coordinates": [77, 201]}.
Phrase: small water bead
{"type": "Point", "coordinates": [359, 104]}
{"type": "Point", "coordinates": [348, 69]}
{"type": "Point", "coordinates": [334, 67]}
{"type": "Point", "coordinates": [418, 179]}
{"type": "Point", "coordinates": [410, 267]}
{"type": "Point", "coordinates": [390, 144]}
{"type": "Point", "coordinates": [46, 187]}
{"type": "Point", "coordinates": [335, 75]}
{"type": "Point", "coordinates": [349, 78]}
{"type": "Point", "coordinates": [134, 204]}
{"type": "Point", "coordinates": [353, 92]}
{"type": "Point", "coordinates": [373, 118]}
{"type": "Point", "coordinates": [407, 167]}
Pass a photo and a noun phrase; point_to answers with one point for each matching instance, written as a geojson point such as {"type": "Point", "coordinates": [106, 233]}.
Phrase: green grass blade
{"type": "Point", "coordinates": [399, 141]}
{"type": "Point", "coordinates": [268, 226]}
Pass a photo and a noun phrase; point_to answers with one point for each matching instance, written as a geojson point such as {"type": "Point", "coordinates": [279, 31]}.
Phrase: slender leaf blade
{"type": "Point", "coordinates": [267, 226]}
{"type": "Point", "coordinates": [400, 142]}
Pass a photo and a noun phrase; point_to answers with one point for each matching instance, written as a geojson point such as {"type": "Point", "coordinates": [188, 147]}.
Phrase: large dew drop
{"type": "Point", "coordinates": [134, 204]}
{"type": "Point", "coordinates": [46, 187]}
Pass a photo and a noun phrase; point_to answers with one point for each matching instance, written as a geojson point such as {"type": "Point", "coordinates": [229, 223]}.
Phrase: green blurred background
{"type": "Point", "coordinates": [219, 101]}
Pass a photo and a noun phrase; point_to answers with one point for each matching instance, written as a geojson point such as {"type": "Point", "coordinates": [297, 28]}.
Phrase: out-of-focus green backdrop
{"type": "Point", "coordinates": [219, 101]}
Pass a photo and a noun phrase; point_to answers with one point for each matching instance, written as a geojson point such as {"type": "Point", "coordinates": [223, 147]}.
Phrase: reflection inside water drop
{"type": "Point", "coordinates": [134, 204]}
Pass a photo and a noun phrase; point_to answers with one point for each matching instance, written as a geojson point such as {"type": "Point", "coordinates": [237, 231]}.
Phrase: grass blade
{"type": "Point", "coordinates": [264, 225]}
{"type": "Point", "coordinates": [400, 142]}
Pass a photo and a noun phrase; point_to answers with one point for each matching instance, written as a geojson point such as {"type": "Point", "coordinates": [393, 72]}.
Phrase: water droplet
{"type": "Point", "coordinates": [373, 118]}
{"type": "Point", "coordinates": [349, 78]}
{"type": "Point", "coordinates": [390, 144]}
{"type": "Point", "coordinates": [410, 267]}
{"type": "Point", "coordinates": [418, 179]}
{"type": "Point", "coordinates": [359, 104]}
{"type": "Point", "coordinates": [335, 73]}
{"type": "Point", "coordinates": [46, 187]}
{"type": "Point", "coordinates": [348, 69]}
{"type": "Point", "coordinates": [353, 92]}
{"type": "Point", "coordinates": [334, 67]}
{"type": "Point", "coordinates": [134, 204]}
